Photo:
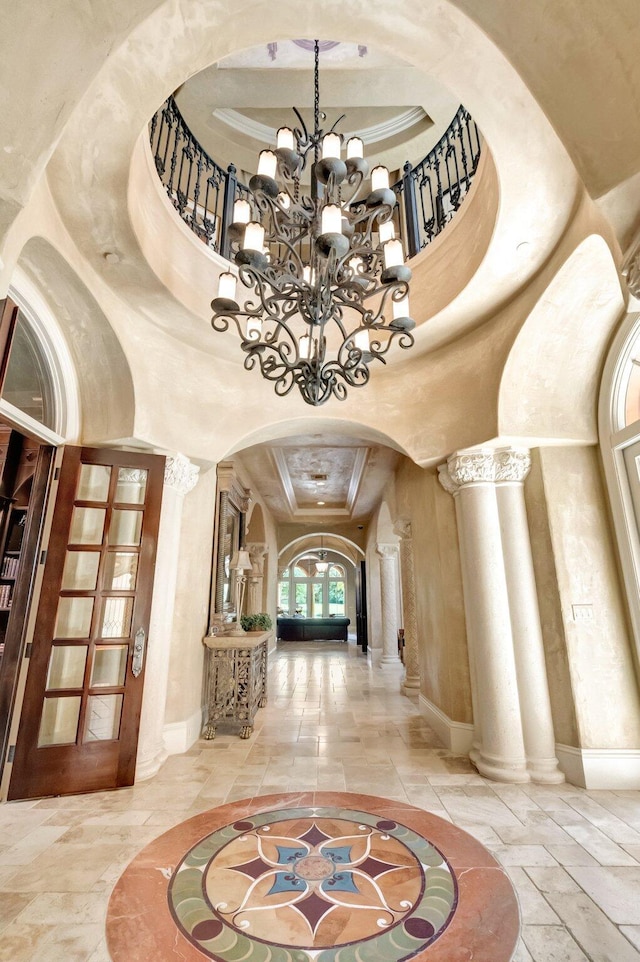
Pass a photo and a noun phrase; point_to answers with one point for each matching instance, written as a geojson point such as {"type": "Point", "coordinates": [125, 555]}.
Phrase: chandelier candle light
{"type": "Point", "coordinates": [327, 273]}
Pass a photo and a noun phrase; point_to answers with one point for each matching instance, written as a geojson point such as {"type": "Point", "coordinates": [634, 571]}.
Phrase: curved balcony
{"type": "Point", "coordinates": [429, 193]}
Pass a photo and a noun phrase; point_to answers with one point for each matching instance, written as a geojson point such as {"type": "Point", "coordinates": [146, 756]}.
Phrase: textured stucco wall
{"type": "Point", "coordinates": [442, 642]}
{"type": "Point", "coordinates": [184, 694]}
{"type": "Point", "coordinates": [588, 647]}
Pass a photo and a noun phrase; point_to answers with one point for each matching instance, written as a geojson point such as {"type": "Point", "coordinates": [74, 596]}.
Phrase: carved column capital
{"type": "Point", "coordinates": [387, 550]}
{"type": "Point", "coordinates": [402, 528]}
{"type": "Point", "coordinates": [257, 551]}
{"type": "Point", "coordinates": [492, 466]}
{"type": "Point", "coordinates": [180, 474]}
{"type": "Point", "coordinates": [446, 480]}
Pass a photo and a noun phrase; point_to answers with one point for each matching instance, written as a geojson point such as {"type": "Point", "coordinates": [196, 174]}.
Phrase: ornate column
{"type": "Point", "coordinates": [514, 733]}
{"type": "Point", "coordinates": [180, 477]}
{"type": "Point", "coordinates": [257, 554]}
{"type": "Point", "coordinates": [388, 554]}
{"type": "Point", "coordinates": [402, 528]}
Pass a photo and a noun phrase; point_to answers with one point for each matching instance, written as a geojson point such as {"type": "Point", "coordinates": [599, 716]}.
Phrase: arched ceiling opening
{"type": "Point", "coordinates": [536, 181]}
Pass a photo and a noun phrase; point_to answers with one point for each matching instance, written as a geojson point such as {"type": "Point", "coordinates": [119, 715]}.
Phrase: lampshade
{"type": "Point", "coordinates": [284, 138]}
{"type": "Point", "coordinates": [267, 163]}
{"type": "Point", "coordinates": [227, 285]}
{"type": "Point", "coordinates": [379, 178]}
{"type": "Point", "coordinates": [386, 231]}
{"type": "Point", "coordinates": [322, 566]}
{"type": "Point", "coordinates": [254, 328]}
{"type": "Point", "coordinates": [331, 219]}
{"type": "Point", "coordinates": [241, 212]}
{"type": "Point", "coordinates": [253, 236]}
{"type": "Point", "coordinates": [393, 253]}
{"type": "Point", "coordinates": [355, 148]}
{"type": "Point", "coordinates": [330, 146]}
{"type": "Point", "coordinates": [242, 561]}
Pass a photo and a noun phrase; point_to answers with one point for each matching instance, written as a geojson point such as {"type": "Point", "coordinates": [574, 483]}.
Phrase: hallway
{"type": "Point", "coordinates": [332, 723]}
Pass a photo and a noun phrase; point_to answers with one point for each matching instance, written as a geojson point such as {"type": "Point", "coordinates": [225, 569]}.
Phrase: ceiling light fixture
{"type": "Point", "coordinates": [329, 283]}
{"type": "Point", "coordinates": [322, 565]}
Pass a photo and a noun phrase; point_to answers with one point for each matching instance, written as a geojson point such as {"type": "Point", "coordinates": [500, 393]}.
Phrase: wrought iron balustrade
{"type": "Point", "coordinates": [203, 193]}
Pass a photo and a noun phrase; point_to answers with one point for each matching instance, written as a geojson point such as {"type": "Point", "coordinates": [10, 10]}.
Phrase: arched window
{"type": "Point", "coordinates": [40, 386]}
{"type": "Point", "coordinates": [311, 593]}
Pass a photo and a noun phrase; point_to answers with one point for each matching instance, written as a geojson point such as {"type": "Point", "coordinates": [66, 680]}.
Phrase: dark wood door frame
{"type": "Point", "coordinates": [15, 638]}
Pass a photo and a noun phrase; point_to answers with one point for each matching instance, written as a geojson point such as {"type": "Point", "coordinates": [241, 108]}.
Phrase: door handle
{"type": "Point", "coordinates": [138, 652]}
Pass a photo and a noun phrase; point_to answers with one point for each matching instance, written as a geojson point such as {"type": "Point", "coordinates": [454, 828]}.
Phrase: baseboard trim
{"type": "Point", "coordinates": [178, 737]}
{"type": "Point", "coordinates": [600, 768]}
{"type": "Point", "coordinates": [456, 736]}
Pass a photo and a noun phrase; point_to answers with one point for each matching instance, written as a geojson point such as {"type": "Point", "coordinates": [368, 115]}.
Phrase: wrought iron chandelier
{"type": "Point", "coordinates": [327, 286]}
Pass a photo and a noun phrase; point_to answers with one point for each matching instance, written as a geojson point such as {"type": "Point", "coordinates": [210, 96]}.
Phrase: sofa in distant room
{"type": "Point", "coordinates": [312, 629]}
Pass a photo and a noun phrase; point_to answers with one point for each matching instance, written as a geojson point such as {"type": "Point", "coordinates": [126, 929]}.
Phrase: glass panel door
{"type": "Point", "coordinates": [82, 703]}
{"type": "Point", "coordinates": [317, 599]}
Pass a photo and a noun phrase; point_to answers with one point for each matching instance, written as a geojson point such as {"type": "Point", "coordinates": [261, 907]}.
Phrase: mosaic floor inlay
{"type": "Point", "coordinates": [320, 877]}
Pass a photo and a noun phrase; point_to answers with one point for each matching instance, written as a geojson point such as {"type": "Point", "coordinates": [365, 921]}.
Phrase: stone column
{"type": "Point", "coordinates": [180, 477]}
{"type": "Point", "coordinates": [407, 572]}
{"type": "Point", "coordinates": [388, 554]}
{"type": "Point", "coordinates": [257, 553]}
{"type": "Point", "coordinates": [503, 624]}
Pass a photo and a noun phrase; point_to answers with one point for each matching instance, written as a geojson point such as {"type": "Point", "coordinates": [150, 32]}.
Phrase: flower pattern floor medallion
{"type": "Point", "coordinates": [315, 877]}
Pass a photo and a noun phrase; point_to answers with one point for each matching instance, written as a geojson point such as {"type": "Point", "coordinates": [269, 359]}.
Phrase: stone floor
{"type": "Point", "coordinates": [333, 724]}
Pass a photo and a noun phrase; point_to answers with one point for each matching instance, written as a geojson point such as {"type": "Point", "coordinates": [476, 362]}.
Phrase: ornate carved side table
{"type": "Point", "coordinates": [236, 679]}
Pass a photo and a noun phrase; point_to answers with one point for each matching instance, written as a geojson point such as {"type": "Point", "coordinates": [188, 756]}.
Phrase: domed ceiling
{"type": "Point", "coordinates": [235, 107]}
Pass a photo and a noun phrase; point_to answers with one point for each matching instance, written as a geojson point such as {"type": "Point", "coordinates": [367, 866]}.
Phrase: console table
{"type": "Point", "coordinates": [236, 679]}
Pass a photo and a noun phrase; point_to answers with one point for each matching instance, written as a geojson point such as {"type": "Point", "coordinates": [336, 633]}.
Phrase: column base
{"type": "Point", "coordinates": [388, 660]}
{"type": "Point", "coordinates": [412, 682]}
{"type": "Point", "coordinates": [499, 769]}
{"type": "Point", "coordinates": [150, 766]}
{"type": "Point", "coordinates": [545, 771]}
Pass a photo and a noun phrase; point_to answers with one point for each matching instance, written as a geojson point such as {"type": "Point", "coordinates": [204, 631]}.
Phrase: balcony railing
{"type": "Point", "coordinates": [203, 193]}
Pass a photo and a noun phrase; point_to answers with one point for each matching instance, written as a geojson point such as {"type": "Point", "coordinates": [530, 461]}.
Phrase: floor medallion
{"type": "Point", "coordinates": [318, 877]}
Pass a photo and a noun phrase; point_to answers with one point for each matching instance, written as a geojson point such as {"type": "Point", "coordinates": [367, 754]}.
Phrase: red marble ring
{"type": "Point", "coordinates": [314, 877]}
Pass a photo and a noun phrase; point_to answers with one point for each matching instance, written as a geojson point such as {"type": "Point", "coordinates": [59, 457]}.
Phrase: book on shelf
{"type": "Point", "coordinates": [9, 568]}
{"type": "Point", "coordinates": [5, 596]}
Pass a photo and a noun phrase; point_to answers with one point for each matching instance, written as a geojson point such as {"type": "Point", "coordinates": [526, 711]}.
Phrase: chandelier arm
{"type": "Point", "coordinates": [355, 180]}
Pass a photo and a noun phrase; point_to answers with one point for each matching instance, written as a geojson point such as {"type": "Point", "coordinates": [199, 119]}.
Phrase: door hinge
{"type": "Point", "coordinates": [28, 650]}
{"type": "Point", "coordinates": [56, 474]}
{"type": "Point", "coordinates": [11, 753]}
{"type": "Point", "coordinates": [43, 556]}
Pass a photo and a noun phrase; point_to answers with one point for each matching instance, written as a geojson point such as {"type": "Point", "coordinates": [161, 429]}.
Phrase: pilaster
{"type": "Point", "coordinates": [402, 528]}
{"type": "Point", "coordinates": [388, 554]}
{"type": "Point", "coordinates": [180, 477]}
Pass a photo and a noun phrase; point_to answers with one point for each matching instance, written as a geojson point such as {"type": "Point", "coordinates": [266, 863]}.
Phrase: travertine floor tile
{"type": "Point", "coordinates": [333, 723]}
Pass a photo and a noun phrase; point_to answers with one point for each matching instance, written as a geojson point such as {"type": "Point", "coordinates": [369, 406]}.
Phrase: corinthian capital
{"type": "Point", "coordinates": [505, 464]}
{"type": "Point", "coordinates": [181, 474]}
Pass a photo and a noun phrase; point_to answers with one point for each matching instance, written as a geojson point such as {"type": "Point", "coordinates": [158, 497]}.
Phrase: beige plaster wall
{"type": "Point", "coordinates": [596, 665]}
{"type": "Point", "coordinates": [549, 601]}
{"type": "Point", "coordinates": [442, 641]}
{"type": "Point", "coordinates": [184, 692]}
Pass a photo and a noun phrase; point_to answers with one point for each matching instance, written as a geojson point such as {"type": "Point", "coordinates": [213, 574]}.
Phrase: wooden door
{"type": "Point", "coordinates": [361, 606]}
{"type": "Point", "coordinates": [81, 711]}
